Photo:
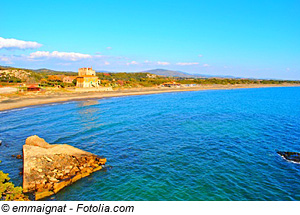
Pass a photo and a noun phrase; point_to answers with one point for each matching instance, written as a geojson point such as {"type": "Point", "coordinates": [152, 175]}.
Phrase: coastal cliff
{"type": "Point", "coordinates": [49, 168]}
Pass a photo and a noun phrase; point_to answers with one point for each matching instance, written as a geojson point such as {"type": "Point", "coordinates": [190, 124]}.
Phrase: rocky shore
{"type": "Point", "coordinates": [49, 168]}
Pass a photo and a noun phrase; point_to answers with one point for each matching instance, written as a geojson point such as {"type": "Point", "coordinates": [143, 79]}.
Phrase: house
{"type": "Point", "coordinates": [33, 88]}
{"type": "Point", "coordinates": [69, 79]}
{"type": "Point", "coordinates": [87, 78]}
{"type": "Point", "coordinates": [171, 84]}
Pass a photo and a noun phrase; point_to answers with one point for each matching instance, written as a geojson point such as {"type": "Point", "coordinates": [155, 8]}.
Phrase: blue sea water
{"type": "Point", "coordinates": [205, 145]}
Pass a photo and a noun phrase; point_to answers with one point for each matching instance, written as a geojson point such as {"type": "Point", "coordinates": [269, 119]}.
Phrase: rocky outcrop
{"type": "Point", "coordinates": [290, 156]}
{"type": "Point", "coordinates": [49, 168]}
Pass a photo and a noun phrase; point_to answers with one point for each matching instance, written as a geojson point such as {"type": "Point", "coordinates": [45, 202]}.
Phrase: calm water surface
{"type": "Point", "coordinates": [206, 145]}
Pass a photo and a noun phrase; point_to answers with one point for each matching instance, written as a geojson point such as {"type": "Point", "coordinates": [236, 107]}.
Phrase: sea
{"type": "Point", "coordinates": [189, 146]}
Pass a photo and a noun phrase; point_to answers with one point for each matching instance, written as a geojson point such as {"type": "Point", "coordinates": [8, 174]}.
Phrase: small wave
{"type": "Point", "coordinates": [13, 110]}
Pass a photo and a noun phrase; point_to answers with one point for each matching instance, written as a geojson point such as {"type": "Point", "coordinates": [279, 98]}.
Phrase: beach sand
{"type": "Point", "coordinates": [7, 103]}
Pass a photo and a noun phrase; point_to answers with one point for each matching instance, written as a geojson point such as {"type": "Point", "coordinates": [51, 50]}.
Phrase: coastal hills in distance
{"type": "Point", "coordinates": [173, 73]}
{"type": "Point", "coordinates": [161, 72]}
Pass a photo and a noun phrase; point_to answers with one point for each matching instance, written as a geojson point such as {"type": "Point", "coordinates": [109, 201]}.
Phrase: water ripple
{"type": "Point", "coordinates": [209, 145]}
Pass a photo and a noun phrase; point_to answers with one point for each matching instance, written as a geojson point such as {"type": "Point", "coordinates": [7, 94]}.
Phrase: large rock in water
{"type": "Point", "coordinates": [49, 168]}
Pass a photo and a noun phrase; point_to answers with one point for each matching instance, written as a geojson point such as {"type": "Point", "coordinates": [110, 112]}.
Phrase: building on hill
{"type": "Point", "coordinates": [86, 71]}
{"type": "Point", "coordinates": [87, 78]}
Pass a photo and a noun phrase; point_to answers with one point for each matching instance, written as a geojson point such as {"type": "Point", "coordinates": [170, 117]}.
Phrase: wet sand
{"type": "Point", "coordinates": [39, 99]}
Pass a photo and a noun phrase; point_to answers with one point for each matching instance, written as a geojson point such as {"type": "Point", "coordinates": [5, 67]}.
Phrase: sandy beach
{"type": "Point", "coordinates": [39, 99]}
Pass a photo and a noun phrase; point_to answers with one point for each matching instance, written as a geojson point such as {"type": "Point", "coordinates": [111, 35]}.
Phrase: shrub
{"type": "Point", "coordinates": [8, 191]}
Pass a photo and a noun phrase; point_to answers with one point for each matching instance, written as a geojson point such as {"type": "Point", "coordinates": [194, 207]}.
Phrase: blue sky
{"type": "Point", "coordinates": [259, 39]}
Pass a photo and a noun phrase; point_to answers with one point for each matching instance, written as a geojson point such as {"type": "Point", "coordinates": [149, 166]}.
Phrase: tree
{"type": "Point", "coordinates": [74, 81]}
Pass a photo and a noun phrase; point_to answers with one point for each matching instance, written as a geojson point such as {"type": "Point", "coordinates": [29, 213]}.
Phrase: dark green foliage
{"type": "Point", "coordinates": [130, 79]}
{"type": "Point", "coordinates": [35, 77]}
{"type": "Point", "coordinates": [122, 76]}
{"type": "Point", "coordinates": [74, 82]}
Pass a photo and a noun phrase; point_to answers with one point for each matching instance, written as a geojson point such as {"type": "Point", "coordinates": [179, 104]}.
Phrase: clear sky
{"type": "Point", "coordinates": [257, 38]}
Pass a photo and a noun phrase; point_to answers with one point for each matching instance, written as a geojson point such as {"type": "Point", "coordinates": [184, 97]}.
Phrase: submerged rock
{"type": "Point", "coordinates": [290, 156]}
{"type": "Point", "coordinates": [49, 168]}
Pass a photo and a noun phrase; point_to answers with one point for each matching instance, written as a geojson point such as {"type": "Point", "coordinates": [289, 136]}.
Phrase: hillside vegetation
{"type": "Point", "coordinates": [46, 77]}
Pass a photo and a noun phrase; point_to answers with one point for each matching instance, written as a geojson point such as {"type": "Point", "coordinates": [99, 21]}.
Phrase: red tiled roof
{"type": "Point", "coordinates": [33, 86]}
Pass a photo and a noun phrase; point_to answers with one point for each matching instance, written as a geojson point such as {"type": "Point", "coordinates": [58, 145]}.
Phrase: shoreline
{"type": "Point", "coordinates": [37, 100]}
